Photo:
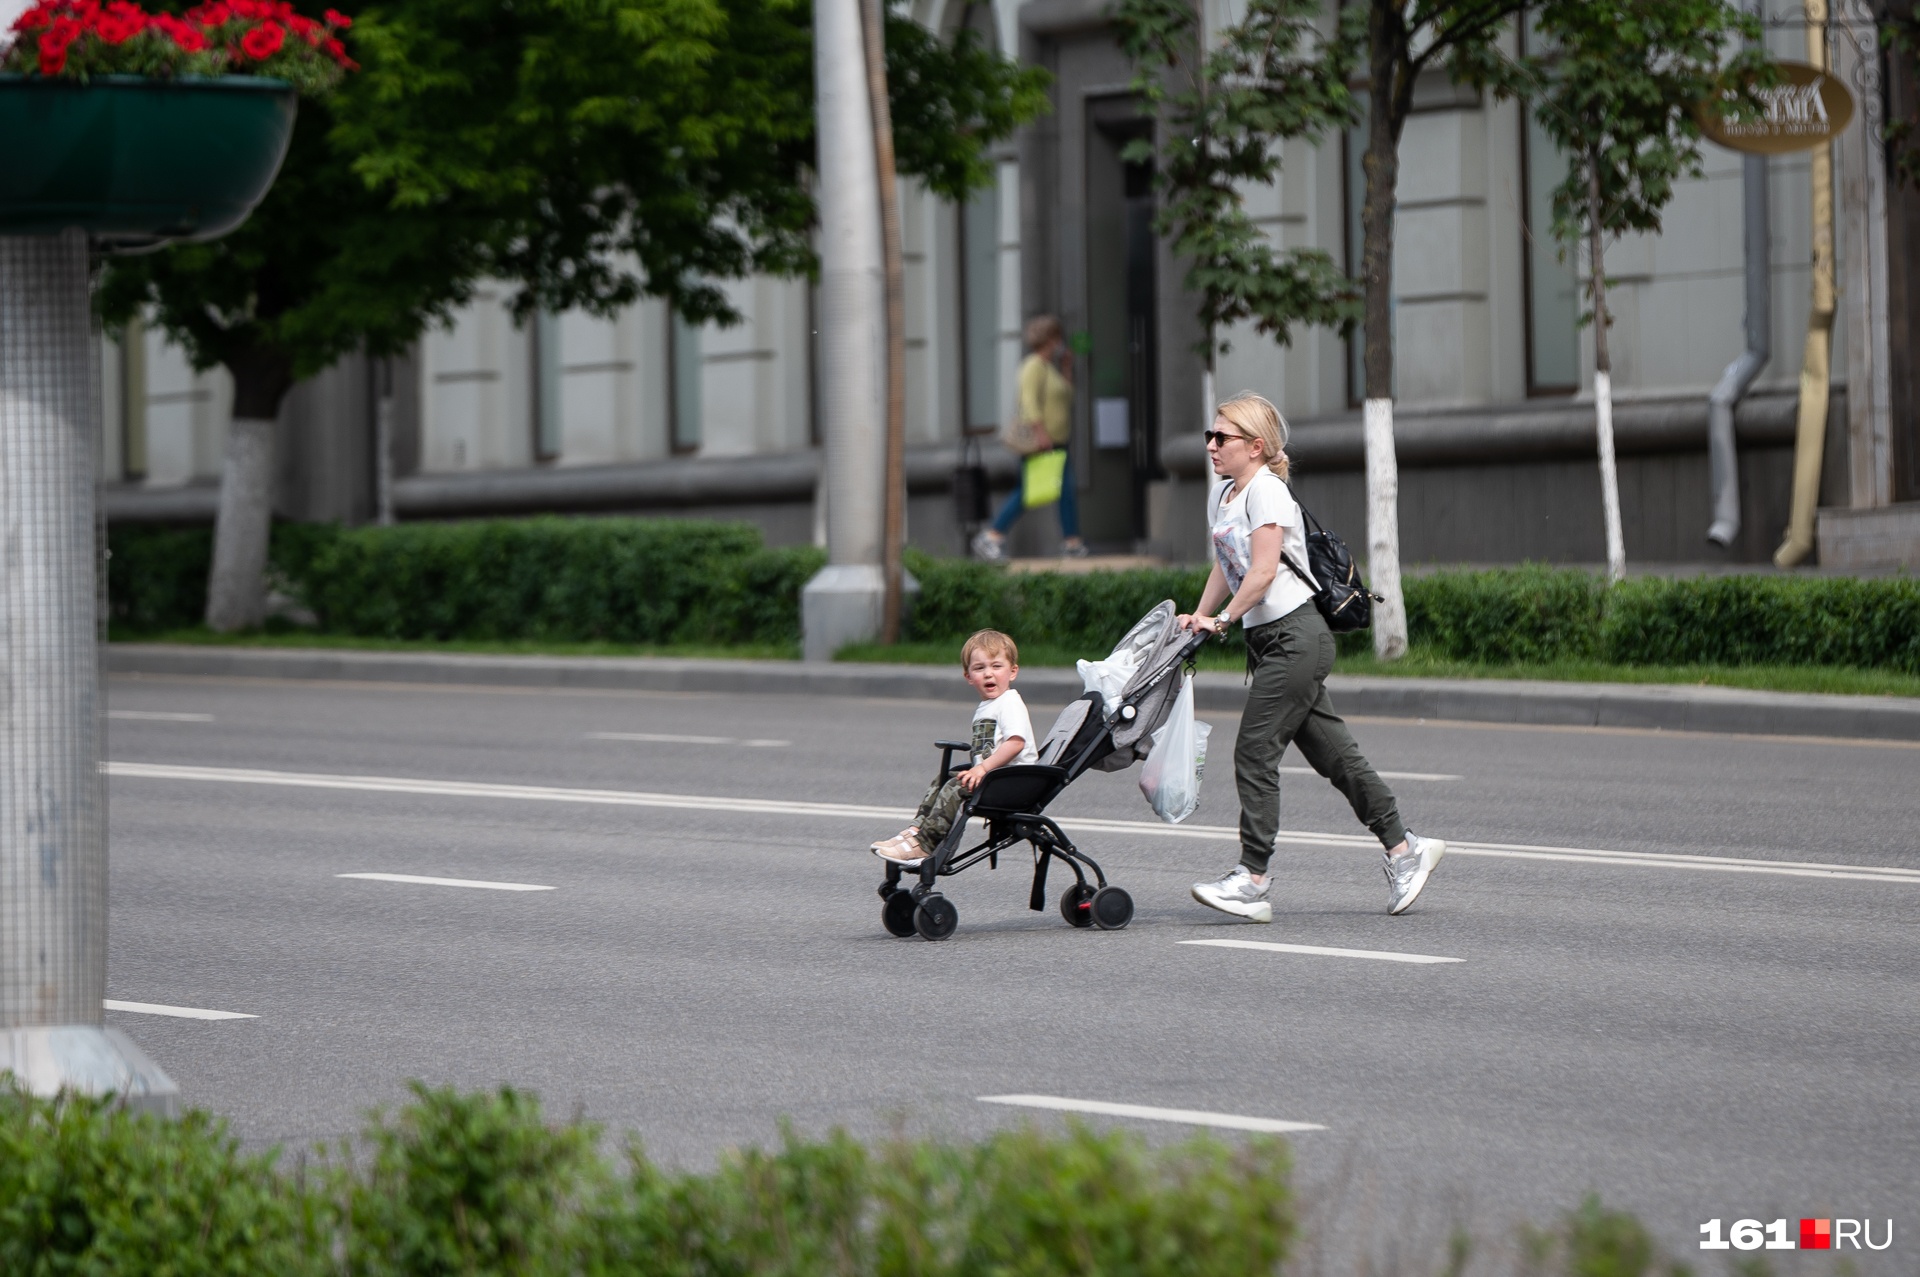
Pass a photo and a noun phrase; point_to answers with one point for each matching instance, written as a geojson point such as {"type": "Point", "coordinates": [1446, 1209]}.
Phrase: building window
{"type": "Point", "coordinates": [980, 309]}
{"type": "Point", "coordinates": [683, 375]}
{"type": "Point", "coordinates": [545, 343]}
{"type": "Point", "coordinates": [1552, 287]}
{"type": "Point", "coordinates": [133, 401]}
{"type": "Point", "coordinates": [1552, 282]}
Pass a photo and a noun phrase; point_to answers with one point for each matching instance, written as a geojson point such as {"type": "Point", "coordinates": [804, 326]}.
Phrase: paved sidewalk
{"type": "Point", "coordinates": [1662, 706]}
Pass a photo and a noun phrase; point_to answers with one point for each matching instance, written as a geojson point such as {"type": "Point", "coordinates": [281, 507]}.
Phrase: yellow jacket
{"type": "Point", "coordinates": [1047, 397]}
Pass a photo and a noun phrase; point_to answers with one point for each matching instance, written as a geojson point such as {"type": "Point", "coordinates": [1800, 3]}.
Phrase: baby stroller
{"type": "Point", "coordinates": [1095, 731]}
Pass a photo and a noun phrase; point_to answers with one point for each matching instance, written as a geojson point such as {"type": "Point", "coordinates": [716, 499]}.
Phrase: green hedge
{"type": "Point", "coordinates": [662, 581]}
{"type": "Point", "coordinates": [480, 1184]}
{"type": "Point", "coordinates": [641, 581]}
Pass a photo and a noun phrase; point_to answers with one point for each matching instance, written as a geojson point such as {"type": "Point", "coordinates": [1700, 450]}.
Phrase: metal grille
{"type": "Point", "coordinates": [53, 832]}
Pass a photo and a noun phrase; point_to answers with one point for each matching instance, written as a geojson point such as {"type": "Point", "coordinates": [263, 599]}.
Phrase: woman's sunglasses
{"type": "Point", "coordinates": [1221, 436]}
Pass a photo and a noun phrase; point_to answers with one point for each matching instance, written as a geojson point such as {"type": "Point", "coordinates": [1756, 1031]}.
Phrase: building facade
{"type": "Point", "coordinates": [645, 414]}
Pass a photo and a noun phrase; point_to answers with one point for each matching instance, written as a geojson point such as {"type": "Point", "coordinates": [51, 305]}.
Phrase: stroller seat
{"type": "Point", "coordinates": [1012, 800]}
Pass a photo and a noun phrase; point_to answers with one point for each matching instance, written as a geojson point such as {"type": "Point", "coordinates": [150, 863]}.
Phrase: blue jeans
{"type": "Point", "coordinates": [1069, 504]}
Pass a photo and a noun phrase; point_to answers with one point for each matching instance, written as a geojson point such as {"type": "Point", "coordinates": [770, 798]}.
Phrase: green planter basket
{"type": "Point", "coordinates": [137, 162]}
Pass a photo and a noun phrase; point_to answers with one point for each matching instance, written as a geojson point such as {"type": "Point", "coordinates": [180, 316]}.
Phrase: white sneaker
{"type": "Point", "coordinates": [1407, 873]}
{"type": "Point", "coordinates": [1236, 894]}
{"type": "Point", "coordinates": [989, 548]}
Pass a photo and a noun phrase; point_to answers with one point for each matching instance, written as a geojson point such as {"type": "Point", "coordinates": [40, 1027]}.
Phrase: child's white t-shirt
{"type": "Point", "coordinates": [1264, 500]}
{"type": "Point", "coordinates": [1003, 716]}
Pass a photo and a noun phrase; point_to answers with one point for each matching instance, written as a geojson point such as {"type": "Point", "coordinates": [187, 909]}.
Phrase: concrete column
{"type": "Point", "coordinates": [843, 604]}
{"type": "Point", "coordinates": [53, 802]}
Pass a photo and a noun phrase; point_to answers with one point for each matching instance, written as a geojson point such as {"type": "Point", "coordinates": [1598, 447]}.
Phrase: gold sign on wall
{"type": "Point", "coordinates": [1807, 108]}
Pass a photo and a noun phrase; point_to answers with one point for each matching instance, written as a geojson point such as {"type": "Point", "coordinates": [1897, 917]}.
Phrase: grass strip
{"type": "Point", "coordinates": [1420, 663]}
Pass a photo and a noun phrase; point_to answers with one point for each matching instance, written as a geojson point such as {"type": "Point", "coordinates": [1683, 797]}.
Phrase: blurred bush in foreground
{"type": "Point", "coordinates": [481, 1184]}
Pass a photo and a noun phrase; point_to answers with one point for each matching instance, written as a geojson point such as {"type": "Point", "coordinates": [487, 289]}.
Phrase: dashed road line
{"type": "Point", "coordinates": [669, 738]}
{"type": "Point", "coordinates": [181, 1013]}
{"type": "Point", "coordinates": [448, 882]}
{"type": "Point", "coordinates": [1308, 771]}
{"type": "Point", "coordinates": [159, 716]}
{"type": "Point", "coordinates": [1189, 1117]}
{"type": "Point", "coordinates": [1321, 951]}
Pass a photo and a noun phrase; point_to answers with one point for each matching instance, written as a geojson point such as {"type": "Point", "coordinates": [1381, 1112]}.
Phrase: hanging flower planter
{"type": "Point", "coordinates": [142, 128]}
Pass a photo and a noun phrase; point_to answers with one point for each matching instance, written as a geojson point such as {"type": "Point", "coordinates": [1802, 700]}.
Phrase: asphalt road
{"type": "Point", "coordinates": [1690, 1042]}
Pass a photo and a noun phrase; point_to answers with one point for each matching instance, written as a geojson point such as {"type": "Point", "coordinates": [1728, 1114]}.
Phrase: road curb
{"type": "Point", "coordinates": [1661, 707]}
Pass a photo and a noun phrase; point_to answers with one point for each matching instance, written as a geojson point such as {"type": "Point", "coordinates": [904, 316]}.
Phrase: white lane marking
{"type": "Point", "coordinates": [668, 738]}
{"type": "Point", "coordinates": [1378, 955]}
{"type": "Point", "coordinates": [158, 716]}
{"type": "Point", "coordinates": [1308, 771]}
{"type": "Point", "coordinates": [448, 882]}
{"type": "Point", "coordinates": [184, 1013]}
{"type": "Point", "coordinates": [1191, 1117]}
{"type": "Point", "coordinates": [1138, 828]}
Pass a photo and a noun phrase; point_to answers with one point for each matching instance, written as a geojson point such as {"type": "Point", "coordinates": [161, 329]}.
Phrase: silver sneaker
{"type": "Point", "coordinates": [1407, 873]}
{"type": "Point", "coordinates": [988, 548]}
{"type": "Point", "coordinates": [1236, 894]}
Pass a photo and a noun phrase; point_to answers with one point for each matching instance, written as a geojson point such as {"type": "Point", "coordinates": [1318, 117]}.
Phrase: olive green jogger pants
{"type": "Point", "coordinates": [1287, 703]}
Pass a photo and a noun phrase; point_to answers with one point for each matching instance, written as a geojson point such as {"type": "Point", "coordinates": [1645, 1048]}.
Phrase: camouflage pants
{"type": "Point", "coordinates": [937, 810]}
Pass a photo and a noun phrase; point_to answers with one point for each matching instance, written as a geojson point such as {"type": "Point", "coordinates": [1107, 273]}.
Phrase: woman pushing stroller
{"type": "Point", "coordinates": [1262, 575]}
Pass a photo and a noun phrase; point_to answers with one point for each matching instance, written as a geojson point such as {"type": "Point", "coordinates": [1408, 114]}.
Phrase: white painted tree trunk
{"type": "Point", "coordinates": [1609, 476]}
{"type": "Point", "coordinates": [237, 587]}
{"type": "Point", "coordinates": [1383, 532]}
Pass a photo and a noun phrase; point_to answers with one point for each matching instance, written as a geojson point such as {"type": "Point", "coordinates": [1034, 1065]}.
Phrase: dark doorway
{"type": "Point", "coordinates": [1121, 449]}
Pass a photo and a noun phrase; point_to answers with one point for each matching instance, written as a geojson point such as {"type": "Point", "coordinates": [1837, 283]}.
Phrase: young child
{"type": "Point", "coordinates": [1002, 734]}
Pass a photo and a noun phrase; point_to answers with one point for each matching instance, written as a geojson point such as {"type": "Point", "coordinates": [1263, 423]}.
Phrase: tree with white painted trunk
{"type": "Point", "coordinates": [1617, 88]}
{"type": "Point", "coordinates": [1405, 39]}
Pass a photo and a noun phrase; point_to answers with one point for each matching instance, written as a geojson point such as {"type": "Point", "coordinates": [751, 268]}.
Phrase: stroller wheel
{"type": "Point", "coordinates": [1112, 909]}
{"type": "Point", "coordinates": [936, 918]}
{"type": "Point", "coordinates": [1076, 904]}
{"type": "Point", "coordinates": [897, 914]}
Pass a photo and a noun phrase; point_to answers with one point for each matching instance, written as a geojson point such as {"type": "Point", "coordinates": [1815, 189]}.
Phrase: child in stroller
{"type": "Point", "coordinates": [1002, 733]}
{"type": "Point", "coordinates": [1009, 786]}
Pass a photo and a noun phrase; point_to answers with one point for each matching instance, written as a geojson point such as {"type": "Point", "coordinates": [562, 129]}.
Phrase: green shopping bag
{"type": "Point", "coordinates": [1040, 477]}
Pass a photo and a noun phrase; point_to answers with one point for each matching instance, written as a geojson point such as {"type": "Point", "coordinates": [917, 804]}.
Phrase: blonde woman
{"type": "Point", "coordinates": [1261, 574]}
{"type": "Point", "coordinates": [1046, 404]}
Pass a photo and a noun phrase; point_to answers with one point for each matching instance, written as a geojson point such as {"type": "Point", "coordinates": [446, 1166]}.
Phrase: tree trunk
{"type": "Point", "coordinates": [894, 509]}
{"type": "Point", "coordinates": [237, 585]}
{"type": "Point", "coordinates": [1386, 49]}
{"type": "Point", "coordinates": [1603, 383]}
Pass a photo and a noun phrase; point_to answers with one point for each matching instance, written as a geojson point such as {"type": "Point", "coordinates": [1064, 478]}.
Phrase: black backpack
{"type": "Point", "coordinates": [1339, 593]}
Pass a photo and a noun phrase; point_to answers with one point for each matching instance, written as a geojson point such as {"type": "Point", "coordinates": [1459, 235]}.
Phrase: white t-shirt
{"type": "Point", "coordinates": [1003, 716]}
{"type": "Point", "coordinates": [1264, 500]}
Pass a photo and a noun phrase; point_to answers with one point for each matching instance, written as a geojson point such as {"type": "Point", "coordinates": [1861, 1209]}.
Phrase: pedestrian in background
{"type": "Point", "coordinates": [1262, 575]}
{"type": "Point", "coordinates": [1043, 419]}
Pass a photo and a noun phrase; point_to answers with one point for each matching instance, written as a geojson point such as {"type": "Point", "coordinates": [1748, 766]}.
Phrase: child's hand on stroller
{"type": "Point", "coordinates": [970, 779]}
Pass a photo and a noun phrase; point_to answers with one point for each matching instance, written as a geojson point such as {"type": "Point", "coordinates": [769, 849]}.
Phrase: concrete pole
{"type": "Point", "coordinates": [53, 801]}
{"type": "Point", "coordinates": [844, 603]}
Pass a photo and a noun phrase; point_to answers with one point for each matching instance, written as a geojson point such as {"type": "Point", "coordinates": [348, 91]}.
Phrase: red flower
{"type": "Point", "coordinates": [263, 41]}
{"type": "Point", "coordinates": [211, 15]}
{"type": "Point", "coordinates": [184, 35]}
{"type": "Point", "coordinates": [335, 18]}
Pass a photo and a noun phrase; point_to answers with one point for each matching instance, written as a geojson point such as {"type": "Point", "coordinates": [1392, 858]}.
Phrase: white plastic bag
{"type": "Point", "coordinates": [1170, 778]}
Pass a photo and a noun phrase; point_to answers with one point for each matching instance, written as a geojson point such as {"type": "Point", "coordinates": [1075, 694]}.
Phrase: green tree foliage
{"type": "Point", "coordinates": [1224, 113]}
{"type": "Point", "coordinates": [591, 154]}
{"type": "Point", "coordinates": [1618, 91]}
